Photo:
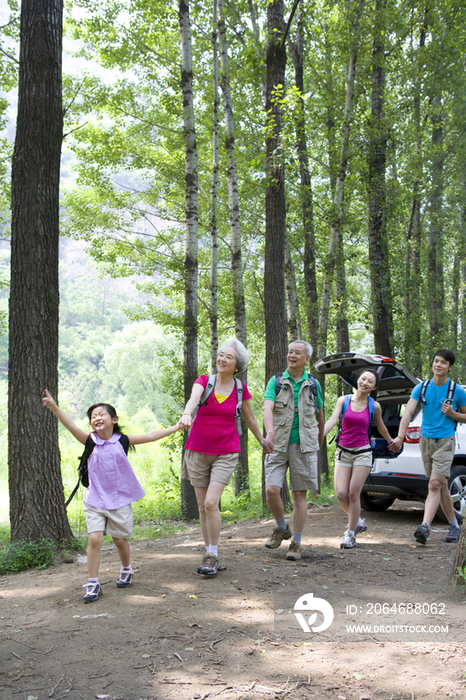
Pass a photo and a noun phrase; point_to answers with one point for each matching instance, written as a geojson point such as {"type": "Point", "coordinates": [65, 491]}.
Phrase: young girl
{"type": "Point", "coordinates": [113, 487]}
{"type": "Point", "coordinates": [353, 457]}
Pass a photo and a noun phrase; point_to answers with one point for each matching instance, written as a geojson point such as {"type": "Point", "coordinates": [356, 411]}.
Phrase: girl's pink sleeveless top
{"type": "Point", "coordinates": [354, 428]}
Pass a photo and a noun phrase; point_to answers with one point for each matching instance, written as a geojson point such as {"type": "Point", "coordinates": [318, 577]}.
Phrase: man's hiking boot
{"type": "Point", "coordinates": [422, 534]}
{"type": "Point", "coordinates": [294, 551]}
{"type": "Point", "coordinates": [93, 591]}
{"type": "Point", "coordinates": [453, 534]}
{"type": "Point", "coordinates": [278, 535]}
{"type": "Point", "coordinates": [210, 565]}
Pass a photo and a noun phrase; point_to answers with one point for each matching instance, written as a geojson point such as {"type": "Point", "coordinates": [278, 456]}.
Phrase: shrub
{"type": "Point", "coordinates": [22, 555]}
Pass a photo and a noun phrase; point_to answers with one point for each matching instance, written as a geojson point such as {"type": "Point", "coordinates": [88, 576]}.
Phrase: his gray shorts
{"type": "Point", "coordinates": [303, 468]}
{"type": "Point", "coordinates": [437, 455]}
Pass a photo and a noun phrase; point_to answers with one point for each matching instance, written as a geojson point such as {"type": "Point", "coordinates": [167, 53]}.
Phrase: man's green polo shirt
{"type": "Point", "coordinates": [270, 395]}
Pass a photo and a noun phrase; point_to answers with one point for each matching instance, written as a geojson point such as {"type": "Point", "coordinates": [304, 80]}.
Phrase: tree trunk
{"type": "Point", "coordinates": [37, 505]}
{"type": "Point", "coordinates": [378, 249]}
{"type": "Point", "coordinates": [307, 208]}
{"type": "Point", "coordinates": [292, 302]}
{"type": "Point", "coordinates": [188, 498]}
{"type": "Point", "coordinates": [239, 304]}
{"type": "Point", "coordinates": [462, 299]}
{"type": "Point", "coordinates": [341, 297]}
{"type": "Point", "coordinates": [337, 218]}
{"type": "Point", "coordinates": [455, 296]}
{"type": "Point", "coordinates": [412, 345]}
{"type": "Point", "coordinates": [275, 206]}
{"type": "Point", "coordinates": [213, 312]}
{"type": "Point", "coordinates": [435, 255]}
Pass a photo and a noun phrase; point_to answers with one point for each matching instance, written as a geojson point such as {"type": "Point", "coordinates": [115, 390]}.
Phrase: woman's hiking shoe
{"type": "Point", "coordinates": [422, 534]}
{"type": "Point", "coordinates": [359, 528]}
{"type": "Point", "coordinates": [125, 580]}
{"type": "Point", "coordinates": [348, 541]}
{"type": "Point", "coordinates": [294, 551]}
{"type": "Point", "coordinates": [93, 591]}
{"type": "Point", "coordinates": [453, 534]}
{"type": "Point", "coordinates": [278, 535]}
{"type": "Point", "coordinates": [210, 565]}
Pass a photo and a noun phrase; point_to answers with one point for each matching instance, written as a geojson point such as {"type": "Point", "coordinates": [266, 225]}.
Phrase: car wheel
{"type": "Point", "coordinates": [375, 503]}
{"type": "Point", "coordinates": [457, 484]}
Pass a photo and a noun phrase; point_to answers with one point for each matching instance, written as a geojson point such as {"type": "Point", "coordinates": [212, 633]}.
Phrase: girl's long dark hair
{"type": "Point", "coordinates": [111, 412]}
{"type": "Point", "coordinates": [374, 391]}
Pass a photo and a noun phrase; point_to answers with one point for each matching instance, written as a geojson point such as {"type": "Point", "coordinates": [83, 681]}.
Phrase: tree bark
{"type": "Point", "coordinates": [239, 304]}
{"type": "Point", "coordinates": [213, 312]}
{"type": "Point", "coordinates": [292, 302]}
{"type": "Point", "coordinates": [337, 218]}
{"type": "Point", "coordinates": [378, 249]}
{"type": "Point", "coordinates": [307, 208]}
{"type": "Point", "coordinates": [412, 345]}
{"type": "Point", "coordinates": [37, 505]}
{"type": "Point", "coordinates": [275, 206]}
{"type": "Point", "coordinates": [188, 498]}
{"type": "Point", "coordinates": [435, 255]}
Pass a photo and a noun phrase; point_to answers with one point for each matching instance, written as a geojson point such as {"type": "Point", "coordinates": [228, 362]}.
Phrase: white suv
{"type": "Point", "coordinates": [396, 475]}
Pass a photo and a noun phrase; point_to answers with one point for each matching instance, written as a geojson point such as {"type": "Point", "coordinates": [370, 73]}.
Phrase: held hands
{"type": "Point", "coordinates": [269, 443]}
{"type": "Point", "coordinates": [185, 421]}
{"type": "Point", "coordinates": [395, 446]}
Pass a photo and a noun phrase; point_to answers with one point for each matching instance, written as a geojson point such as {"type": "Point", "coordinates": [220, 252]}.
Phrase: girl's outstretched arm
{"type": "Point", "coordinates": [153, 435]}
{"type": "Point", "coordinates": [333, 420]}
{"type": "Point", "coordinates": [65, 420]}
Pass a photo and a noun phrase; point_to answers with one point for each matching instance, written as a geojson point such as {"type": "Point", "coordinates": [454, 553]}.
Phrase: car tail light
{"type": "Point", "coordinates": [412, 435]}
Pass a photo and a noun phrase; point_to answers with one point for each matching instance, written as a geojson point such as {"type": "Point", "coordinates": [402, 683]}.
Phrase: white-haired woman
{"type": "Point", "coordinates": [212, 448]}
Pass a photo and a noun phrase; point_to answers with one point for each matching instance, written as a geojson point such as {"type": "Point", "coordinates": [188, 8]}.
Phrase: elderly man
{"type": "Point", "coordinates": [294, 421]}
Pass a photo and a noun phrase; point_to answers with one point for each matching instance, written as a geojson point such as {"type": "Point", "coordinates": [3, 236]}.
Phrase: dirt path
{"type": "Point", "coordinates": [175, 635]}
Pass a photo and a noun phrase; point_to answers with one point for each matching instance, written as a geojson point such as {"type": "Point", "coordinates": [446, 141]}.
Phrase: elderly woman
{"type": "Point", "coordinates": [212, 448]}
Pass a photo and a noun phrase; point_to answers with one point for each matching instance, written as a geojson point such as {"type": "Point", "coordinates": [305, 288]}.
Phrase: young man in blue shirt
{"type": "Point", "coordinates": [437, 441]}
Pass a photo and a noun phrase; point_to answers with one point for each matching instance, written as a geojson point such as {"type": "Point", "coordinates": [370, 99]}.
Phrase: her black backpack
{"type": "Point", "coordinates": [82, 469]}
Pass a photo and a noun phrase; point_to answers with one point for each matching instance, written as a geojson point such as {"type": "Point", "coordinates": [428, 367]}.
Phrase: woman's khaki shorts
{"type": "Point", "coordinates": [201, 469]}
{"type": "Point", "coordinates": [348, 459]}
{"type": "Point", "coordinates": [437, 455]}
{"type": "Point", "coordinates": [117, 523]}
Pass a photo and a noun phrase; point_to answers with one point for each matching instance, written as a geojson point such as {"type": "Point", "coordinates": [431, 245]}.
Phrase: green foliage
{"type": "Point", "coordinates": [461, 574]}
{"type": "Point", "coordinates": [22, 555]}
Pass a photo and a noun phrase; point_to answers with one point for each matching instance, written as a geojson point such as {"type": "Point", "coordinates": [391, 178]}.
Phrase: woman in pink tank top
{"type": "Point", "coordinates": [353, 456]}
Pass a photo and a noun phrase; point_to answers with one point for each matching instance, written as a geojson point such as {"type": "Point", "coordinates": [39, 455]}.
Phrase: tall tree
{"type": "Point", "coordinates": [213, 311]}
{"type": "Point", "coordinates": [275, 205]}
{"type": "Point", "coordinates": [188, 498]}
{"type": "Point", "coordinates": [337, 217]}
{"type": "Point", "coordinates": [413, 276]}
{"type": "Point", "coordinates": [239, 303]}
{"type": "Point", "coordinates": [307, 205]}
{"type": "Point", "coordinates": [436, 291]}
{"type": "Point", "coordinates": [37, 508]}
{"type": "Point", "coordinates": [378, 249]}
